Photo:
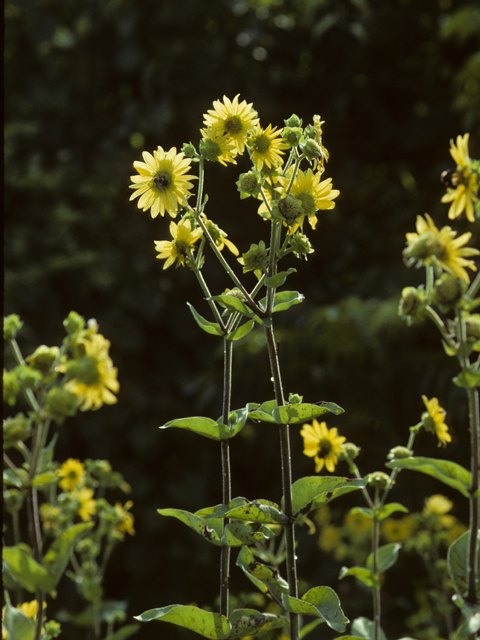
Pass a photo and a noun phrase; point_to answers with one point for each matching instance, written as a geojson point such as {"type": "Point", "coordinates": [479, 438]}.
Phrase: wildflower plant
{"type": "Point", "coordinates": [67, 507]}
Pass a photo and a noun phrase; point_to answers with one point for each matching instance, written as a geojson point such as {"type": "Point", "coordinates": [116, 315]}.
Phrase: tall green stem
{"type": "Point", "coordinates": [226, 474]}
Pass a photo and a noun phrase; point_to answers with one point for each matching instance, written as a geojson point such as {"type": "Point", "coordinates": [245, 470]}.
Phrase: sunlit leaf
{"type": "Point", "coordinates": [17, 624]}
{"type": "Point", "coordinates": [203, 426]}
{"type": "Point", "coordinates": [457, 562]}
{"type": "Point", "coordinates": [236, 534]}
{"type": "Point", "coordinates": [365, 628]}
{"type": "Point", "coordinates": [240, 332]}
{"type": "Point", "coordinates": [205, 623]}
{"type": "Point", "coordinates": [209, 327]}
{"type": "Point", "coordinates": [311, 492]}
{"type": "Point", "coordinates": [265, 578]}
{"type": "Point", "coordinates": [320, 602]}
{"type": "Point", "coordinates": [231, 303]}
{"type": "Point", "coordinates": [278, 279]}
{"type": "Point", "coordinates": [448, 472]}
{"type": "Point", "coordinates": [27, 571]}
{"type": "Point", "coordinates": [258, 511]}
{"type": "Point", "coordinates": [246, 622]}
{"type": "Point", "coordinates": [290, 413]}
{"type": "Point", "coordinates": [57, 557]}
{"type": "Point", "coordinates": [196, 523]}
{"type": "Point", "coordinates": [386, 558]}
{"type": "Point", "coordinates": [366, 577]}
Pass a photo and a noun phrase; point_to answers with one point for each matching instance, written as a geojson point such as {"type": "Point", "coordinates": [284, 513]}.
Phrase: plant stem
{"type": "Point", "coordinates": [226, 473]}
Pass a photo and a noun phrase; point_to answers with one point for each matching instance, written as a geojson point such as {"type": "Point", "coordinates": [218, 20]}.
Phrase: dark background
{"type": "Point", "coordinates": [89, 86]}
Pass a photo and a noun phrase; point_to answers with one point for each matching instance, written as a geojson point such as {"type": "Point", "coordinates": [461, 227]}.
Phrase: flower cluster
{"type": "Point", "coordinates": [463, 182]}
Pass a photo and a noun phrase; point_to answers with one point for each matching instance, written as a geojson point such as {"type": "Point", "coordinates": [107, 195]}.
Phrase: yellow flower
{"type": "Point", "coordinates": [125, 519]}
{"type": "Point", "coordinates": [88, 506]}
{"type": "Point", "coordinates": [462, 184]}
{"type": "Point", "coordinates": [95, 377]}
{"type": "Point", "coordinates": [233, 118]}
{"type": "Point", "coordinates": [357, 523]}
{"type": "Point", "coordinates": [433, 246]}
{"type": "Point", "coordinates": [322, 443]}
{"type": "Point", "coordinates": [162, 184]}
{"type": "Point", "coordinates": [265, 147]}
{"type": "Point", "coordinates": [219, 236]}
{"type": "Point", "coordinates": [217, 146]}
{"type": "Point", "coordinates": [30, 609]}
{"type": "Point", "coordinates": [72, 473]}
{"type": "Point", "coordinates": [434, 420]}
{"type": "Point", "coordinates": [182, 244]}
{"type": "Point", "coordinates": [437, 504]}
{"type": "Point", "coordinates": [398, 530]}
{"type": "Point", "coordinates": [330, 538]}
{"type": "Point", "coordinates": [311, 192]}
{"type": "Point", "coordinates": [317, 126]}
{"type": "Point", "coordinates": [455, 532]}
{"type": "Point", "coordinates": [49, 515]}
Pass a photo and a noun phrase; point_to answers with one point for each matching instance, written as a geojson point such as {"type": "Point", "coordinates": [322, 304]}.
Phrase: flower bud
{"type": "Point", "coordinates": [300, 244]}
{"type": "Point", "coordinates": [312, 150]}
{"type": "Point", "coordinates": [293, 136]}
{"type": "Point", "coordinates": [349, 451]}
{"type": "Point", "coordinates": [378, 480]}
{"type": "Point", "coordinates": [290, 209]}
{"type": "Point", "coordinates": [43, 358]}
{"type": "Point", "coordinates": [13, 500]}
{"type": "Point", "coordinates": [10, 387]}
{"type": "Point", "coordinates": [412, 303]}
{"type": "Point", "coordinates": [249, 184]}
{"type": "Point", "coordinates": [209, 149]}
{"type": "Point", "coordinates": [11, 326]}
{"type": "Point", "coordinates": [60, 403]}
{"type": "Point", "coordinates": [472, 323]}
{"type": "Point", "coordinates": [293, 121]}
{"type": "Point", "coordinates": [398, 453]}
{"type": "Point", "coordinates": [235, 293]}
{"type": "Point", "coordinates": [73, 323]}
{"type": "Point", "coordinates": [294, 398]}
{"type": "Point", "coordinates": [189, 150]}
{"type": "Point", "coordinates": [255, 259]}
{"type": "Point", "coordinates": [449, 290]}
{"type": "Point", "coordinates": [17, 429]}
{"type": "Point", "coordinates": [420, 249]}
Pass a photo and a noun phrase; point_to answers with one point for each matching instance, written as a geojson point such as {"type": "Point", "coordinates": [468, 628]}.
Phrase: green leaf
{"type": "Point", "coordinates": [27, 571]}
{"type": "Point", "coordinates": [262, 411]}
{"type": "Point", "coordinates": [11, 479]}
{"type": "Point", "coordinates": [307, 628]}
{"type": "Point", "coordinates": [196, 523]}
{"type": "Point", "coordinates": [265, 578]}
{"type": "Point", "coordinates": [366, 577]}
{"type": "Point", "coordinates": [385, 512]}
{"type": "Point", "coordinates": [387, 556]}
{"type": "Point", "coordinates": [44, 479]}
{"type": "Point", "coordinates": [321, 602]}
{"type": "Point", "coordinates": [231, 303]}
{"type": "Point", "coordinates": [236, 421]}
{"type": "Point", "coordinates": [241, 331]}
{"type": "Point", "coordinates": [311, 492]}
{"type": "Point", "coordinates": [365, 628]}
{"type": "Point", "coordinates": [468, 379]}
{"type": "Point", "coordinates": [283, 300]}
{"type": "Point", "coordinates": [205, 623]}
{"type": "Point", "coordinates": [209, 327]}
{"type": "Point", "coordinates": [58, 556]}
{"type": "Point", "coordinates": [203, 426]}
{"type": "Point", "coordinates": [471, 614]}
{"type": "Point", "coordinates": [125, 632]}
{"type": "Point", "coordinates": [219, 510]}
{"type": "Point", "coordinates": [257, 511]}
{"type": "Point", "coordinates": [246, 622]}
{"type": "Point", "coordinates": [448, 472]}
{"type": "Point", "coordinates": [457, 562]}
{"type": "Point", "coordinates": [278, 279]}
{"type": "Point", "coordinates": [290, 413]}
{"type": "Point", "coordinates": [236, 534]}
{"type": "Point", "coordinates": [17, 624]}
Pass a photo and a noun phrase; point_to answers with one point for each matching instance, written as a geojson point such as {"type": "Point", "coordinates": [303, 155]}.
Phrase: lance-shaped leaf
{"type": "Point", "coordinates": [258, 511]}
{"type": "Point", "coordinates": [236, 534]}
{"type": "Point", "coordinates": [27, 571]}
{"type": "Point", "coordinates": [366, 577]}
{"type": "Point", "coordinates": [240, 332]}
{"type": "Point", "coordinates": [457, 562]}
{"type": "Point", "coordinates": [265, 578]}
{"type": "Point", "coordinates": [231, 303]}
{"type": "Point", "coordinates": [247, 622]}
{"type": "Point", "coordinates": [205, 623]}
{"type": "Point", "coordinates": [290, 413]}
{"type": "Point", "coordinates": [365, 628]}
{"type": "Point", "coordinates": [203, 426]}
{"type": "Point", "coordinates": [311, 492]}
{"type": "Point", "coordinates": [321, 602]}
{"type": "Point", "coordinates": [278, 279]}
{"type": "Point", "coordinates": [387, 556]}
{"type": "Point", "coordinates": [446, 471]}
{"type": "Point", "coordinates": [382, 513]}
{"type": "Point", "coordinates": [219, 510]}
{"type": "Point", "coordinates": [209, 327]}
{"type": "Point", "coordinates": [58, 556]}
{"type": "Point", "coordinates": [283, 300]}
{"type": "Point", "coordinates": [197, 523]}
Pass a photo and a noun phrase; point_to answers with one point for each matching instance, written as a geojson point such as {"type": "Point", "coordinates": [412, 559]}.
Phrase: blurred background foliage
{"type": "Point", "coordinates": [89, 85]}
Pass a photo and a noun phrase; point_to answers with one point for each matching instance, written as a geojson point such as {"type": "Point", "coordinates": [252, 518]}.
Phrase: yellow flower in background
{"type": "Point", "coordinates": [357, 523]}
{"type": "Point", "coordinates": [162, 184]}
{"type": "Point", "coordinates": [50, 516]}
{"type": "Point", "coordinates": [233, 118]}
{"type": "Point", "coordinates": [454, 532]}
{"type": "Point", "coordinates": [433, 246]}
{"type": "Point", "coordinates": [312, 193]}
{"type": "Point", "coordinates": [125, 519]}
{"type": "Point", "coordinates": [182, 244]}
{"type": "Point", "coordinates": [88, 506]}
{"type": "Point", "coordinates": [437, 504]}
{"type": "Point", "coordinates": [462, 184]}
{"type": "Point", "coordinates": [265, 147]}
{"type": "Point", "coordinates": [217, 146]}
{"type": "Point", "coordinates": [330, 538]}
{"type": "Point", "coordinates": [219, 236]}
{"type": "Point", "coordinates": [322, 443]}
{"type": "Point", "coordinates": [72, 474]}
{"type": "Point", "coordinates": [94, 376]}
{"type": "Point", "coordinates": [434, 420]}
{"type": "Point", "coordinates": [399, 530]}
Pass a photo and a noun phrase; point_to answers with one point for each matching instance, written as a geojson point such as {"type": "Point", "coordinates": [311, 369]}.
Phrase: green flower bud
{"type": "Point", "coordinates": [255, 259]}
{"type": "Point", "coordinates": [209, 149]}
{"type": "Point", "coordinates": [13, 500]}
{"type": "Point", "coordinates": [397, 453]}
{"type": "Point", "coordinates": [27, 377]}
{"type": "Point", "coordinates": [11, 326]}
{"type": "Point", "coordinates": [73, 323]}
{"type": "Point", "coordinates": [52, 629]}
{"type": "Point", "coordinates": [312, 150]}
{"type": "Point", "coordinates": [350, 451]}
{"type": "Point", "coordinates": [87, 548]}
{"type": "Point", "coordinates": [60, 403]}
{"type": "Point", "coordinates": [290, 209]}
{"type": "Point", "coordinates": [293, 136]}
{"type": "Point", "coordinates": [17, 429]}
{"type": "Point", "coordinates": [300, 244]}
{"type": "Point", "coordinates": [472, 323]}
{"type": "Point", "coordinates": [420, 249]}
{"type": "Point", "coordinates": [449, 291]}
{"type": "Point", "coordinates": [189, 150]}
{"type": "Point", "coordinates": [10, 387]}
{"type": "Point", "coordinates": [378, 480]}
{"type": "Point", "coordinates": [293, 121]}
{"type": "Point", "coordinates": [43, 358]}
{"type": "Point", "coordinates": [235, 293]}
{"type": "Point", "coordinates": [249, 184]}
{"type": "Point", "coordinates": [412, 304]}
{"type": "Point", "coordinates": [294, 398]}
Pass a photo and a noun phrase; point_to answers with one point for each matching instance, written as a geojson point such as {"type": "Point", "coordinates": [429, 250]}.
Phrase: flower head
{"type": "Point", "coordinates": [217, 146]}
{"type": "Point", "coordinates": [219, 236]}
{"type": "Point", "coordinates": [87, 505]}
{"type": "Point", "coordinates": [265, 147]}
{"type": "Point", "coordinates": [437, 504]}
{"type": "Point", "coordinates": [434, 420]}
{"type": "Point", "coordinates": [439, 247]}
{"type": "Point", "coordinates": [232, 118]}
{"type": "Point", "coordinates": [93, 375]}
{"type": "Point", "coordinates": [162, 184]}
{"type": "Point", "coordinates": [125, 519]}
{"type": "Point", "coordinates": [322, 443]}
{"type": "Point", "coordinates": [72, 474]}
{"type": "Point", "coordinates": [462, 184]}
{"type": "Point", "coordinates": [182, 244]}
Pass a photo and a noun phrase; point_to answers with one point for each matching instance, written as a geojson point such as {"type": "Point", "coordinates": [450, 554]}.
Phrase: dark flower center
{"type": "Point", "coordinates": [233, 125]}
{"type": "Point", "coordinates": [261, 144]}
{"type": "Point", "coordinates": [162, 180]}
{"type": "Point", "coordinates": [324, 448]}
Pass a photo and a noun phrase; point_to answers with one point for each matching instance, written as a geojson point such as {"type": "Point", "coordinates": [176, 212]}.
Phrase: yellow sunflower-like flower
{"type": "Point", "coordinates": [357, 523]}
{"type": "Point", "coordinates": [265, 147]}
{"type": "Point", "coordinates": [87, 505]}
{"type": "Point", "coordinates": [434, 420]}
{"type": "Point", "coordinates": [182, 244]}
{"type": "Point", "coordinates": [462, 184]}
{"type": "Point", "coordinates": [217, 146]}
{"type": "Point", "coordinates": [72, 474]}
{"type": "Point", "coordinates": [439, 246]}
{"type": "Point", "coordinates": [398, 530]}
{"type": "Point", "coordinates": [233, 118]}
{"type": "Point", "coordinates": [219, 236]}
{"type": "Point", "coordinates": [322, 443]}
{"type": "Point", "coordinates": [437, 504]}
{"type": "Point", "coordinates": [94, 376]}
{"type": "Point", "coordinates": [312, 193]}
{"type": "Point", "coordinates": [125, 519]}
{"type": "Point", "coordinates": [162, 184]}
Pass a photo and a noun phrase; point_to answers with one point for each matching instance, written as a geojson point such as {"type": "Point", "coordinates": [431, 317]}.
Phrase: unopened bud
{"type": "Point", "coordinates": [11, 326]}
{"type": "Point", "coordinates": [43, 358]}
{"type": "Point", "coordinates": [398, 453]}
{"type": "Point", "coordinates": [378, 480]}
{"type": "Point", "coordinates": [290, 209]}
{"type": "Point", "coordinates": [449, 290]}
